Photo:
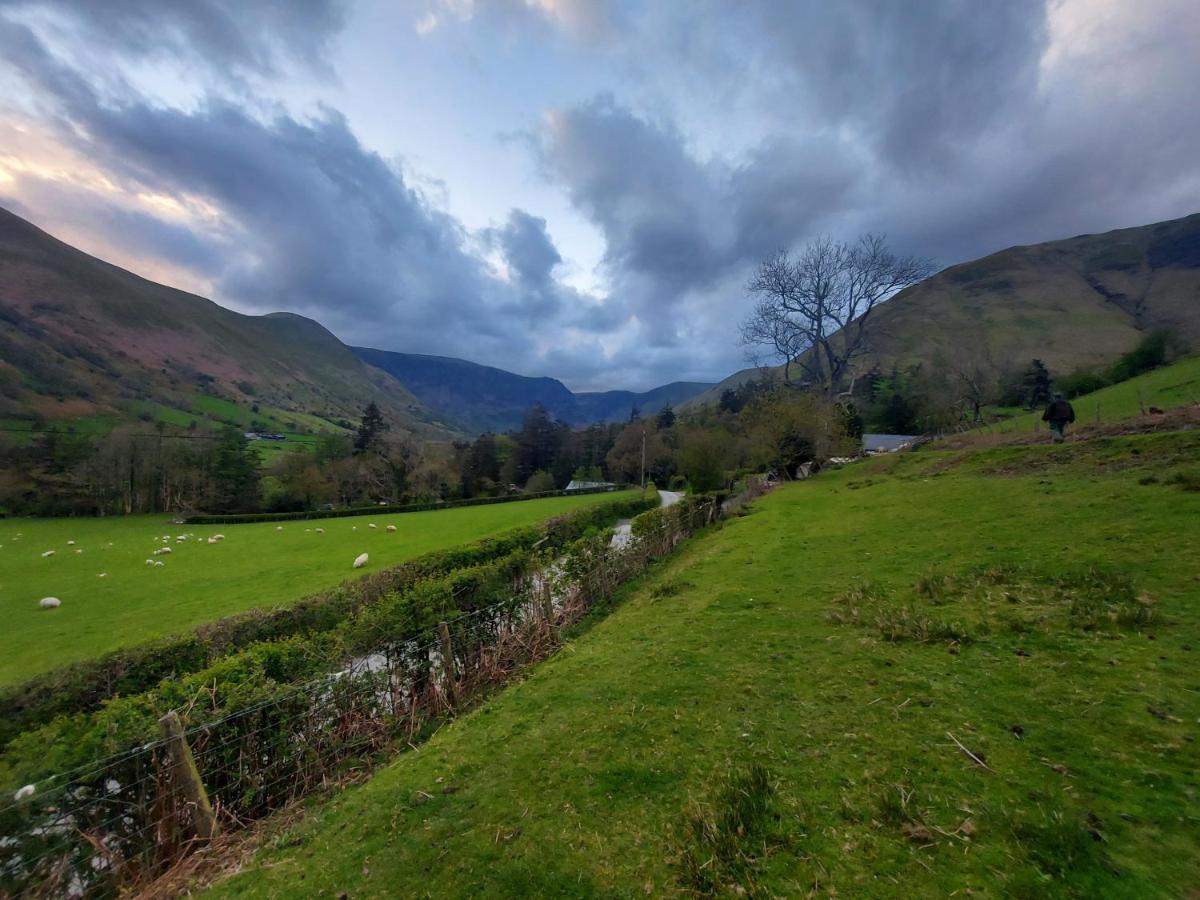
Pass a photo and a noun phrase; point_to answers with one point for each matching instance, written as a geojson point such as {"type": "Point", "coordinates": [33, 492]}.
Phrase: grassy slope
{"type": "Point", "coordinates": [256, 566]}
{"type": "Point", "coordinates": [1175, 385]}
{"type": "Point", "coordinates": [1076, 302]}
{"type": "Point", "coordinates": [576, 781]}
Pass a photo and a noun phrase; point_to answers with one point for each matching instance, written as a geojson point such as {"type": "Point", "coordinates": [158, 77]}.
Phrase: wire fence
{"type": "Point", "coordinates": [123, 821]}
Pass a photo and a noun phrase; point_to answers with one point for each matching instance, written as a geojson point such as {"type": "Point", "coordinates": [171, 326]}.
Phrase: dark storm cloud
{"type": "Point", "coordinates": [527, 248]}
{"type": "Point", "coordinates": [673, 224]}
{"type": "Point", "coordinates": [916, 80]}
{"type": "Point", "coordinates": [314, 222]}
{"type": "Point", "coordinates": [741, 128]}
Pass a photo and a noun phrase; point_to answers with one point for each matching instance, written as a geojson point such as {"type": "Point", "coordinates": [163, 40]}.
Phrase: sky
{"type": "Point", "coordinates": [579, 188]}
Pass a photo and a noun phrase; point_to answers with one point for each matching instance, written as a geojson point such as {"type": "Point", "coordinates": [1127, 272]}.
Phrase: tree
{"type": "Point", "coordinates": [666, 417]}
{"type": "Point", "coordinates": [235, 475]}
{"type": "Point", "coordinates": [816, 308]}
{"type": "Point", "coordinates": [538, 444]}
{"type": "Point", "coordinates": [371, 427]}
{"type": "Point", "coordinates": [540, 482]}
{"type": "Point", "coordinates": [702, 456]}
{"type": "Point", "coordinates": [976, 376]}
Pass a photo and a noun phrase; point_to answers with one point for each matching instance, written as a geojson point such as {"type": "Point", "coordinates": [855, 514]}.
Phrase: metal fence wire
{"type": "Point", "coordinates": [121, 822]}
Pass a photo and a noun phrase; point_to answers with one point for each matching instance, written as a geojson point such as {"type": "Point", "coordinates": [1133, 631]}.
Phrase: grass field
{"type": "Point", "coordinates": [255, 566]}
{"type": "Point", "coordinates": [1175, 385]}
{"type": "Point", "coordinates": [923, 675]}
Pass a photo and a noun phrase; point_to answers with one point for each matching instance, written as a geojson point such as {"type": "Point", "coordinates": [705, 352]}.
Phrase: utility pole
{"type": "Point", "coordinates": [643, 459]}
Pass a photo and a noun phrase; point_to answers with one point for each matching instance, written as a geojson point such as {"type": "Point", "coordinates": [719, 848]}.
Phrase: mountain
{"type": "Point", "coordinates": [1073, 303]}
{"type": "Point", "coordinates": [83, 338]}
{"type": "Point", "coordinates": [482, 398]}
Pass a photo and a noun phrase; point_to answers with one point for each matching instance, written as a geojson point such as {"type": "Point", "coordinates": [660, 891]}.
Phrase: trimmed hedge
{"type": "Point", "coordinates": [246, 518]}
{"type": "Point", "coordinates": [84, 686]}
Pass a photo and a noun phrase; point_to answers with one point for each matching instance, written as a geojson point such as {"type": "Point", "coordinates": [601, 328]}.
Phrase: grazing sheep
{"type": "Point", "coordinates": [49, 603]}
{"type": "Point", "coordinates": [391, 528]}
{"type": "Point", "coordinates": [161, 550]}
{"type": "Point", "coordinates": [279, 528]}
{"type": "Point", "coordinates": [70, 543]}
{"type": "Point", "coordinates": [307, 530]}
{"type": "Point", "coordinates": [77, 550]}
{"type": "Point", "coordinates": [47, 553]}
{"type": "Point", "coordinates": [24, 793]}
{"type": "Point", "coordinates": [159, 563]}
{"type": "Point", "coordinates": [354, 528]}
{"type": "Point", "coordinates": [371, 525]}
{"type": "Point", "coordinates": [149, 562]}
{"type": "Point", "coordinates": [218, 537]}
{"type": "Point", "coordinates": [320, 531]}
{"type": "Point", "coordinates": [361, 560]}
{"type": "Point", "coordinates": [102, 575]}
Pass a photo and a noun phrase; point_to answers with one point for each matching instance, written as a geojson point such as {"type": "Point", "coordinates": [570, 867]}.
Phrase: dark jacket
{"type": "Point", "coordinates": [1059, 411]}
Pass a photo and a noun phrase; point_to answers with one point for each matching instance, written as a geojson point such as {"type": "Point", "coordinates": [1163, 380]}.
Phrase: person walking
{"type": "Point", "coordinates": [1059, 413]}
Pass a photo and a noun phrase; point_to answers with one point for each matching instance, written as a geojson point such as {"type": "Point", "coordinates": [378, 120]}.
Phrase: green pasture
{"type": "Point", "coordinates": [1175, 385]}
{"type": "Point", "coordinates": [934, 674]}
{"type": "Point", "coordinates": [256, 566]}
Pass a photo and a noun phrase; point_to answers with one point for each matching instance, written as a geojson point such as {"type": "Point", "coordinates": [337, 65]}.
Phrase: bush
{"type": "Point", "coordinates": [540, 482]}
{"type": "Point", "coordinates": [84, 686]}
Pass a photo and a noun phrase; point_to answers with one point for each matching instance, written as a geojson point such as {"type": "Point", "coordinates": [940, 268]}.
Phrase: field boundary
{"type": "Point", "coordinates": [386, 510]}
{"type": "Point", "coordinates": [85, 686]}
{"type": "Point", "coordinates": [121, 822]}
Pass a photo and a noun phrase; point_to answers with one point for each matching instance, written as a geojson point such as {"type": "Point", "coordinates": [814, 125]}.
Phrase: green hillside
{"type": "Point", "coordinates": [1167, 388]}
{"type": "Point", "coordinates": [84, 341]}
{"type": "Point", "coordinates": [1074, 303]}
{"type": "Point", "coordinates": [930, 674]}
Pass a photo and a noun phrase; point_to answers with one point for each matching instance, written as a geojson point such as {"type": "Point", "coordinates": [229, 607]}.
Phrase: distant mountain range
{"type": "Point", "coordinates": [481, 398]}
{"type": "Point", "coordinates": [87, 343]}
{"type": "Point", "coordinates": [1073, 303]}
{"type": "Point", "coordinates": [81, 339]}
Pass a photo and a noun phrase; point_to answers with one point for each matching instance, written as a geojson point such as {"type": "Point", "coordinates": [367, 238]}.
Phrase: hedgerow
{"type": "Point", "coordinates": [83, 687]}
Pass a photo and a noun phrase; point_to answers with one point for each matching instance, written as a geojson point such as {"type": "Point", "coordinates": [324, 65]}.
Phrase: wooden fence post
{"type": "Point", "coordinates": [447, 650]}
{"type": "Point", "coordinates": [547, 602]}
{"type": "Point", "coordinates": [185, 777]}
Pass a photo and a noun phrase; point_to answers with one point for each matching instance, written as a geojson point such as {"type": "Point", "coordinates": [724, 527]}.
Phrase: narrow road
{"type": "Point", "coordinates": [622, 532]}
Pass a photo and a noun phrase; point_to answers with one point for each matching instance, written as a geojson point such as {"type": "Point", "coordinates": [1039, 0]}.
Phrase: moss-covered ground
{"type": "Point", "coordinates": [934, 674]}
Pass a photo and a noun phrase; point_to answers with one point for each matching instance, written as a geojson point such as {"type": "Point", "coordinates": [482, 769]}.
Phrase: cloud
{"type": "Point", "coordinates": [225, 36]}
{"type": "Point", "coordinates": [694, 138]}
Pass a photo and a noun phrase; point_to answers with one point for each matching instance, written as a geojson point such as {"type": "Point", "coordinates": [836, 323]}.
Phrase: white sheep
{"type": "Point", "coordinates": [371, 525]}
{"type": "Point", "coordinates": [354, 528]}
{"type": "Point", "coordinates": [279, 528]}
{"type": "Point", "coordinates": [161, 550]}
{"type": "Point", "coordinates": [24, 793]}
{"type": "Point", "coordinates": [361, 560]}
{"type": "Point", "coordinates": [159, 563]}
{"type": "Point", "coordinates": [49, 603]}
{"type": "Point", "coordinates": [47, 553]}
{"type": "Point", "coordinates": [78, 550]}
{"type": "Point", "coordinates": [218, 537]}
{"type": "Point", "coordinates": [390, 528]}
{"type": "Point", "coordinates": [320, 531]}
{"type": "Point", "coordinates": [70, 543]}
{"type": "Point", "coordinates": [102, 575]}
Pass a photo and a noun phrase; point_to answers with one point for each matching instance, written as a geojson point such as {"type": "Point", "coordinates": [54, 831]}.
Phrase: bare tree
{"type": "Point", "coordinates": [815, 310]}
